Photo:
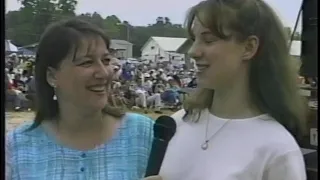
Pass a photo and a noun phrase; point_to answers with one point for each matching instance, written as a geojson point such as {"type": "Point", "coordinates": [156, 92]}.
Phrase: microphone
{"type": "Point", "coordinates": [163, 130]}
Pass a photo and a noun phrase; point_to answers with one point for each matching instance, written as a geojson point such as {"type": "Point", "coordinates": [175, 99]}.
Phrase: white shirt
{"type": "Point", "coordinates": [256, 148]}
{"type": "Point", "coordinates": [163, 77]}
{"type": "Point", "coordinates": [148, 85]}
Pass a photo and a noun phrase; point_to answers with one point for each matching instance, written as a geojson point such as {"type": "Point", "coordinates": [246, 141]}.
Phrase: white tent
{"type": "Point", "coordinates": [10, 47]}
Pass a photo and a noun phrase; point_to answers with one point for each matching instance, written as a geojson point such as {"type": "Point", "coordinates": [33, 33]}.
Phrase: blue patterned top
{"type": "Point", "coordinates": [32, 155]}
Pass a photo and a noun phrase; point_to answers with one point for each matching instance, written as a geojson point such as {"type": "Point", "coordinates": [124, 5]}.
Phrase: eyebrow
{"type": "Point", "coordinates": [90, 56]}
{"type": "Point", "coordinates": [206, 33]}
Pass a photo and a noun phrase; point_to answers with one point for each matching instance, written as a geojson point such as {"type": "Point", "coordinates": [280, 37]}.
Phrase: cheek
{"type": "Point", "coordinates": [73, 78]}
{"type": "Point", "coordinates": [216, 58]}
{"type": "Point", "coordinates": [223, 62]}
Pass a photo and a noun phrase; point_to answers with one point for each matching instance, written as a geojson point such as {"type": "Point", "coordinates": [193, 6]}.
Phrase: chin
{"type": "Point", "coordinates": [97, 104]}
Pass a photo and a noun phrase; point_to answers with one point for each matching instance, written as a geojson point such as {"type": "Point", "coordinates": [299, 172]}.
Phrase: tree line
{"type": "Point", "coordinates": [25, 26]}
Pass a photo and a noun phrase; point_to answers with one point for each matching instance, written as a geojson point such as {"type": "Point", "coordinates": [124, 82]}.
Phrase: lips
{"type": "Point", "coordinates": [98, 88]}
{"type": "Point", "coordinates": [202, 67]}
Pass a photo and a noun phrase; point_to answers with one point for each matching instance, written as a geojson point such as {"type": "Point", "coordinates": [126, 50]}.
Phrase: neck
{"type": "Point", "coordinates": [73, 120]}
{"type": "Point", "coordinates": [234, 102]}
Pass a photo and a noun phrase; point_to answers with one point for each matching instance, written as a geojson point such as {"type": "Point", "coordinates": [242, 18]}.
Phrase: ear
{"type": "Point", "coordinates": [52, 76]}
{"type": "Point", "coordinates": [251, 46]}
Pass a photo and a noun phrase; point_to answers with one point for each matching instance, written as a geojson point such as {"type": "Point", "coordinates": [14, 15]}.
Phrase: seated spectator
{"type": "Point", "coordinates": [18, 84]}
{"type": "Point", "coordinates": [144, 99]}
{"type": "Point", "coordinates": [171, 95]}
{"type": "Point", "coordinates": [13, 95]}
{"type": "Point", "coordinates": [148, 83]}
{"type": "Point", "coordinates": [192, 83]}
{"type": "Point", "coordinates": [158, 86]}
{"type": "Point", "coordinates": [127, 91]}
{"type": "Point", "coordinates": [25, 77]}
{"type": "Point", "coordinates": [161, 75]}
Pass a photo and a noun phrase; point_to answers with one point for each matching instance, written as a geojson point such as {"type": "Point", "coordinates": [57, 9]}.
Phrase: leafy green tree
{"type": "Point", "coordinates": [26, 25]}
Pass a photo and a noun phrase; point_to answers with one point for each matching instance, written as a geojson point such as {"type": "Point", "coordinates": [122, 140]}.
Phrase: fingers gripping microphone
{"type": "Point", "coordinates": [163, 129]}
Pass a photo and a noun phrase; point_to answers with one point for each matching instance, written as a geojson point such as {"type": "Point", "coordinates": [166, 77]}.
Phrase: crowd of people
{"type": "Point", "coordinates": [148, 87]}
{"type": "Point", "coordinates": [19, 82]}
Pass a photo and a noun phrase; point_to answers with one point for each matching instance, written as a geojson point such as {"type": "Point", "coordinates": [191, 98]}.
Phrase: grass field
{"type": "Point", "coordinates": [14, 119]}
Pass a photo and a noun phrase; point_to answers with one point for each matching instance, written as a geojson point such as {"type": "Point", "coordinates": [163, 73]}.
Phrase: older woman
{"type": "Point", "coordinates": [240, 122]}
{"type": "Point", "coordinates": [77, 132]}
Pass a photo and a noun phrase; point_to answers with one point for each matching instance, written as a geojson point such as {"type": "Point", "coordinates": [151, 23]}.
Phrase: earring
{"type": "Point", "coordinates": [54, 95]}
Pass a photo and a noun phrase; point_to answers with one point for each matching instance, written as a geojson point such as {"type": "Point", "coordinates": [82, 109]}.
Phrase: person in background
{"type": "Point", "coordinates": [158, 86]}
{"type": "Point", "coordinates": [193, 83]}
{"type": "Point", "coordinates": [171, 95]}
{"type": "Point", "coordinates": [245, 117]}
{"type": "Point", "coordinates": [144, 99]}
{"type": "Point", "coordinates": [9, 65]}
{"type": "Point", "coordinates": [129, 94]}
{"type": "Point", "coordinates": [29, 67]}
{"type": "Point", "coordinates": [14, 58]}
{"type": "Point", "coordinates": [153, 74]}
{"type": "Point", "coordinates": [77, 132]}
{"type": "Point", "coordinates": [117, 69]}
{"type": "Point", "coordinates": [10, 94]}
{"type": "Point", "coordinates": [148, 83]}
{"type": "Point", "coordinates": [25, 77]}
{"type": "Point", "coordinates": [17, 83]}
{"type": "Point", "coordinates": [176, 83]}
{"type": "Point", "coordinates": [126, 73]}
{"type": "Point", "coordinates": [161, 75]}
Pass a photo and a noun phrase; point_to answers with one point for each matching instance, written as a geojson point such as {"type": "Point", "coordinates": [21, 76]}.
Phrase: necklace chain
{"type": "Point", "coordinates": [205, 144]}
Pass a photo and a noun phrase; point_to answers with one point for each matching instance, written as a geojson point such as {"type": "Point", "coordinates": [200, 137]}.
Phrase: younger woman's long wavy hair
{"type": "Point", "coordinates": [272, 81]}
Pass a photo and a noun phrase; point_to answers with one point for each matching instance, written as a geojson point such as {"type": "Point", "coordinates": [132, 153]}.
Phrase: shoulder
{"type": "Point", "coordinates": [278, 134]}
{"type": "Point", "coordinates": [22, 139]}
{"type": "Point", "coordinates": [285, 155]}
{"type": "Point", "coordinates": [22, 133]}
{"type": "Point", "coordinates": [138, 123]}
{"type": "Point", "coordinates": [136, 119]}
{"type": "Point", "coordinates": [276, 140]}
{"type": "Point", "coordinates": [139, 130]}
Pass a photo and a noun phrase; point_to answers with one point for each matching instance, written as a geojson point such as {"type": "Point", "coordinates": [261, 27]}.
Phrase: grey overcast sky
{"type": "Point", "coordinates": [143, 12]}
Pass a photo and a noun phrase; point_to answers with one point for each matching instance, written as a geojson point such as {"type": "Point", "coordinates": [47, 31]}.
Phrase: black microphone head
{"type": "Point", "coordinates": [164, 128]}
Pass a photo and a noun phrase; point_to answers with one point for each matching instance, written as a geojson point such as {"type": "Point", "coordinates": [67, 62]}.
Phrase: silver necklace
{"type": "Point", "coordinates": [205, 144]}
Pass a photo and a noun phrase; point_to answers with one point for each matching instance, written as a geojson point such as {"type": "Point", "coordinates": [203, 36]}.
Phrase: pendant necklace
{"type": "Point", "coordinates": [205, 144]}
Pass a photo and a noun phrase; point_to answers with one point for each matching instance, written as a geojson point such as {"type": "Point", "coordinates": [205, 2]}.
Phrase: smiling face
{"type": "Point", "coordinates": [218, 61]}
{"type": "Point", "coordinates": [84, 80]}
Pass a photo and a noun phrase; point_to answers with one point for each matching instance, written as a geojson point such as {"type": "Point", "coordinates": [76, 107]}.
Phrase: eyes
{"type": "Point", "coordinates": [88, 61]}
{"type": "Point", "coordinates": [205, 38]}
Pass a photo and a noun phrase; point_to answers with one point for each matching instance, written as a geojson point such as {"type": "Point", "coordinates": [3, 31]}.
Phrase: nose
{"type": "Point", "coordinates": [195, 52]}
{"type": "Point", "coordinates": [102, 71]}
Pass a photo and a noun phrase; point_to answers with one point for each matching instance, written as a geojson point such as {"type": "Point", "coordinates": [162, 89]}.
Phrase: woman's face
{"type": "Point", "coordinates": [218, 60]}
{"type": "Point", "coordinates": [84, 81]}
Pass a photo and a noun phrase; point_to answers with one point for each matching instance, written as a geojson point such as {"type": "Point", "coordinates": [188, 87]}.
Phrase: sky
{"type": "Point", "coordinates": [143, 12]}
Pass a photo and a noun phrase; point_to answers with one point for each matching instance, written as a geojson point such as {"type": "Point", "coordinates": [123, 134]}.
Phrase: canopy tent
{"type": "Point", "coordinates": [10, 47]}
{"type": "Point", "coordinates": [25, 51]}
